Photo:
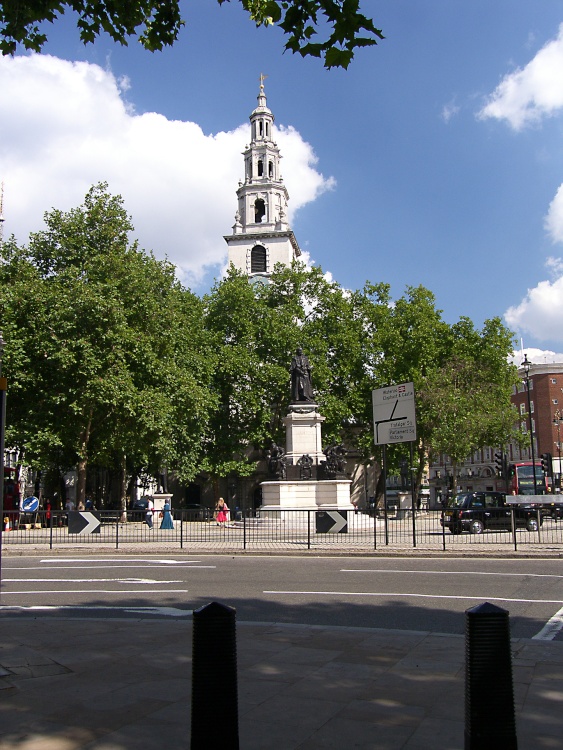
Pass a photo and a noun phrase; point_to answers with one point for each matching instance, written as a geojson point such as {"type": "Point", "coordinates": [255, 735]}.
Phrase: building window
{"type": "Point", "coordinates": [555, 401]}
{"type": "Point", "coordinates": [260, 168]}
{"type": "Point", "coordinates": [533, 421]}
{"type": "Point", "coordinates": [259, 210]}
{"type": "Point", "coordinates": [554, 381]}
{"type": "Point", "coordinates": [270, 169]}
{"type": "Point", "coordinates": [258, 259]}
{"type": "Point", "coordinates": [522, 408]}
{"type": "Point", "coordinates": [523, 427]}
{"type": "Point", "coordinates": [531, 407]}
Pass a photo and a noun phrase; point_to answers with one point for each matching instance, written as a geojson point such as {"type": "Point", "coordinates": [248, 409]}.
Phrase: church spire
{"type": "Point", "coordinates": [261, 235]}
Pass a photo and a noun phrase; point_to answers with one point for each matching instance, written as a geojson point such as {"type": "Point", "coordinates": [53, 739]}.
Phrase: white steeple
{"type": "Point", "coordinates": [261, 235]}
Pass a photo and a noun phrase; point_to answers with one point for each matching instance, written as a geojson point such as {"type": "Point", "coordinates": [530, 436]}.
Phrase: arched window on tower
{"type": "Point", "coordinates": [260, 168]}
{"type": "Point", "coordinates": [258, 259]}
{"type": "Point", "coordinates": [261, 127]}
{"type": "Point", "coordinates": [267, 130]}
{"type": "Point", "coordinates": [270, 169]}
{"type": "Point", "coordinates": [259, 210]}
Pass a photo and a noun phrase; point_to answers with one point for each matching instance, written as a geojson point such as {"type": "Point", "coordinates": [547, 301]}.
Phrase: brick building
{"type": "Point", "coordinates": [543, 414]}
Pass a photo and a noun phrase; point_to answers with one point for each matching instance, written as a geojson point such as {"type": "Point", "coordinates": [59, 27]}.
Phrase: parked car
{"type": "Point", "coordinates": [554, 510]}
{"type": "Point", "coordinates": [138, 509]}
{"type": "Point", "coordinates": [480, 511]}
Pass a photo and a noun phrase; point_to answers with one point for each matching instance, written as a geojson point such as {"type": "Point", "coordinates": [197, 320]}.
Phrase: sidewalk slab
{"type": "Point", "coordinates": [69, 684]}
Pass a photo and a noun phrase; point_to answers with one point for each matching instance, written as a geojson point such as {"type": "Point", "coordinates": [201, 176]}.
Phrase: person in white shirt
{"type": "Point", "coordinates": [148, 516]}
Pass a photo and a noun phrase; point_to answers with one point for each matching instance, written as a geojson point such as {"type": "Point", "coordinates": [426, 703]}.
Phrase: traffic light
{"type": "Point", "coordinates": [500, 463]}
{"type": "Point", "coordinates": [546, 464]}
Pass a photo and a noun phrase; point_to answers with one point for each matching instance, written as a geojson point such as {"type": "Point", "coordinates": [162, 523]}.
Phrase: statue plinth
{"type": "Point", "coordinates": [303, 432]}
{"type": "Point", "coordinates": [301, 489]}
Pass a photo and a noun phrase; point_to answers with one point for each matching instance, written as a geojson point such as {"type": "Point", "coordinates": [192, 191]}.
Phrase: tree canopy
{"type": "Point", "coordinates": [328, 29]}
{"type": "Point", "coordinates": [112, 363]}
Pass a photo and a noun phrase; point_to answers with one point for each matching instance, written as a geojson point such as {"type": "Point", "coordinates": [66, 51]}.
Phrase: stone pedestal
{"type": "Point", "coordinates": [303, 437]}
{"type": "Point", "coordinates": [332, 494]}
{"type": "Point", "coordinates": [303, 433]}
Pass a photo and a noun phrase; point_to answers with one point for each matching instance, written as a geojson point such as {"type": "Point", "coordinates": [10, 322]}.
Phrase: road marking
{"type": "Point", "coordinates": [97, 567]}
{"type": "Point", "coordinates": [417, 596]}
{"type": "Point", "coordinates": [167, 611]}
{"type": "Point", "coordinates": [450, 572]}
{"type": "Point", "coordinates": [551, 627]}
{"type": "Point", "coordinates": [118, 559]}
{"type": "Point", "coordinates": [86, 580]}
{"type": "Point", "coordinates": [96, 591]}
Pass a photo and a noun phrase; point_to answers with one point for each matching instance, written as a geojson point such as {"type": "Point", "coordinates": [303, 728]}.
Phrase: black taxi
{"type": "Point", "coordinates": [478, 511]}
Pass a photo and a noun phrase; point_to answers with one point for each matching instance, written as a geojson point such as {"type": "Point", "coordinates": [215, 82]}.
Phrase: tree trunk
{"type": "Point", "coordinates": [81, 466]}
{"type": "Point", "coordinates": [123, 487]}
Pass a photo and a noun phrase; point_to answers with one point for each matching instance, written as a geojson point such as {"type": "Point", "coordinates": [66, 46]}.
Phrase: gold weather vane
{"type": "Point", "coordinates": [262, 79]}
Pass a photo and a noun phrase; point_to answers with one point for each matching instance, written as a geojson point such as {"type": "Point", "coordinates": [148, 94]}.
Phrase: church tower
{"type": "Point", "coordinates": [261, 235]}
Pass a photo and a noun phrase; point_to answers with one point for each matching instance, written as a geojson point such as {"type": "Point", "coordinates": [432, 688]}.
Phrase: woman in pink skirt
{"type": "Point", "coordinates": [221, 512]}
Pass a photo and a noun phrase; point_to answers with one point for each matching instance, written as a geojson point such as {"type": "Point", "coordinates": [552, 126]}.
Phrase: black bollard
{"type": "Point", "coordinates": [490, 722]}
{"type": "Point", "coordinates": [214, 678]}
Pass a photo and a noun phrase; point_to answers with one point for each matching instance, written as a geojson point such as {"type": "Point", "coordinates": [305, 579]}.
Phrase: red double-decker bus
{"type": "Point", "coordinates": [521, 478]}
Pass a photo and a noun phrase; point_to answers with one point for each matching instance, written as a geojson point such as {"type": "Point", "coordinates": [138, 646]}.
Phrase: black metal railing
{"type": "Point", "coordinates": [274, 529]}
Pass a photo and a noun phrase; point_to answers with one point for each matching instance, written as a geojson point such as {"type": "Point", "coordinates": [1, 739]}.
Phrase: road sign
{"type": "Point", "coordinates": [332, 522]}
{"type": "Point", "coordinates": [394, 418]}
{"type": "Point", "coordinates": [83, 522]}
{"type": "Point", "coordinates": [30, 504]}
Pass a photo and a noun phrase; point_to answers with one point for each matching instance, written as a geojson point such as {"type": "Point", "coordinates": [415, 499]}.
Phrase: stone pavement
{"type": "Point", "coordinates": [123, 684]}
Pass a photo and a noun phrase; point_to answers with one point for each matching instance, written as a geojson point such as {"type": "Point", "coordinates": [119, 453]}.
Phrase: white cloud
{"type": "Point", "coordinates": [540, 313]}
{"type": "Point", "coordinates": [448, 111]}
{"type": "Point", "coordinates": [529, 94]}
{"type": "Point", "coordinates": [65, 126]}
{"type": "Point", "coordinates": [536, 357]}
{"type": "Point", "coordinates": [554, 219]}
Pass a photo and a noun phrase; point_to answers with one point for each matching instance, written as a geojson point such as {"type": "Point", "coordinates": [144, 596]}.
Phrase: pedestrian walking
{"type": "Point", "coordinates": [221, 512]}
{"type": "Point", "coordinates": [167, 520]}
{"type": "Point", "coordinates": [149, 512]}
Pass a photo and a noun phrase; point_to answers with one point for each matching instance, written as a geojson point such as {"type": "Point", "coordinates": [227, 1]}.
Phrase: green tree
{"type": "Point", "coordinates": [99, 361]}
{"type": "Point", "coordinates": [465, 400]}
{"type": "Point", "coordinates": [254, 330]}
{"type": "Point", "coordinates": [329, 29]}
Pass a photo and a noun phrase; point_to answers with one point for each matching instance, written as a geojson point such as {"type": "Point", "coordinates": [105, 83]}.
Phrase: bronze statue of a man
{"type": "Point", "coordinates": [301, 388]}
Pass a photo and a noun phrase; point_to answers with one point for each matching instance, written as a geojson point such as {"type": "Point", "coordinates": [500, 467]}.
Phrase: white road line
{"type": "Point", "coordinates": [98, 591]}
{"type": "Point", "coordinates": [553, 626]}
{"type": "Point", "coordinates": [450, 573]}
{"type": "Point", "coordinates": [416, 596]}
{"type": "Point", "coordinates": [98, 567]}
{"type": "Point", "coordinates": [167, 611]}
{"type": "Point", "coordinates": [88, 580]}
{"type": "Point", "coordinates": [117, 559]}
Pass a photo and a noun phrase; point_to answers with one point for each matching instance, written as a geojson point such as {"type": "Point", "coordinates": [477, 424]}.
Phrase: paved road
{"type": "Point", "coordinates": [397, 593]}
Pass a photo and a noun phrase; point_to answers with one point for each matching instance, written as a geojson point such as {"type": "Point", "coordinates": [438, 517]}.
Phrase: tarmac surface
{"type": "Point", "coordinates": [125, 684]}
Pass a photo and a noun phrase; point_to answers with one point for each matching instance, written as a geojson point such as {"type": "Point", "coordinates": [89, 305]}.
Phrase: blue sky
{"type": "Point", "coordinates": [435, 159]}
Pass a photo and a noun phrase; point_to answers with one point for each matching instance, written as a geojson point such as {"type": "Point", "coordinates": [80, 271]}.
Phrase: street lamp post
{"type": "Point", "coordinates": [526, 364]}
{"type": "Point", "coordinates": [3, 387]}
{"type": "Point", "coordinates": [557, 421]}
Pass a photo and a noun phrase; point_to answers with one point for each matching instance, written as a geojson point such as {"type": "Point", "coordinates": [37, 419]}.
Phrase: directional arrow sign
{"type": "Point", "coordinates": [394, 418]}
{"type": "Point", "coordinates": [83, 522]}
{"type": "Point", "coordinates": [30, 504]}
{"type": "Point", "coordinates": [332, 522]}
